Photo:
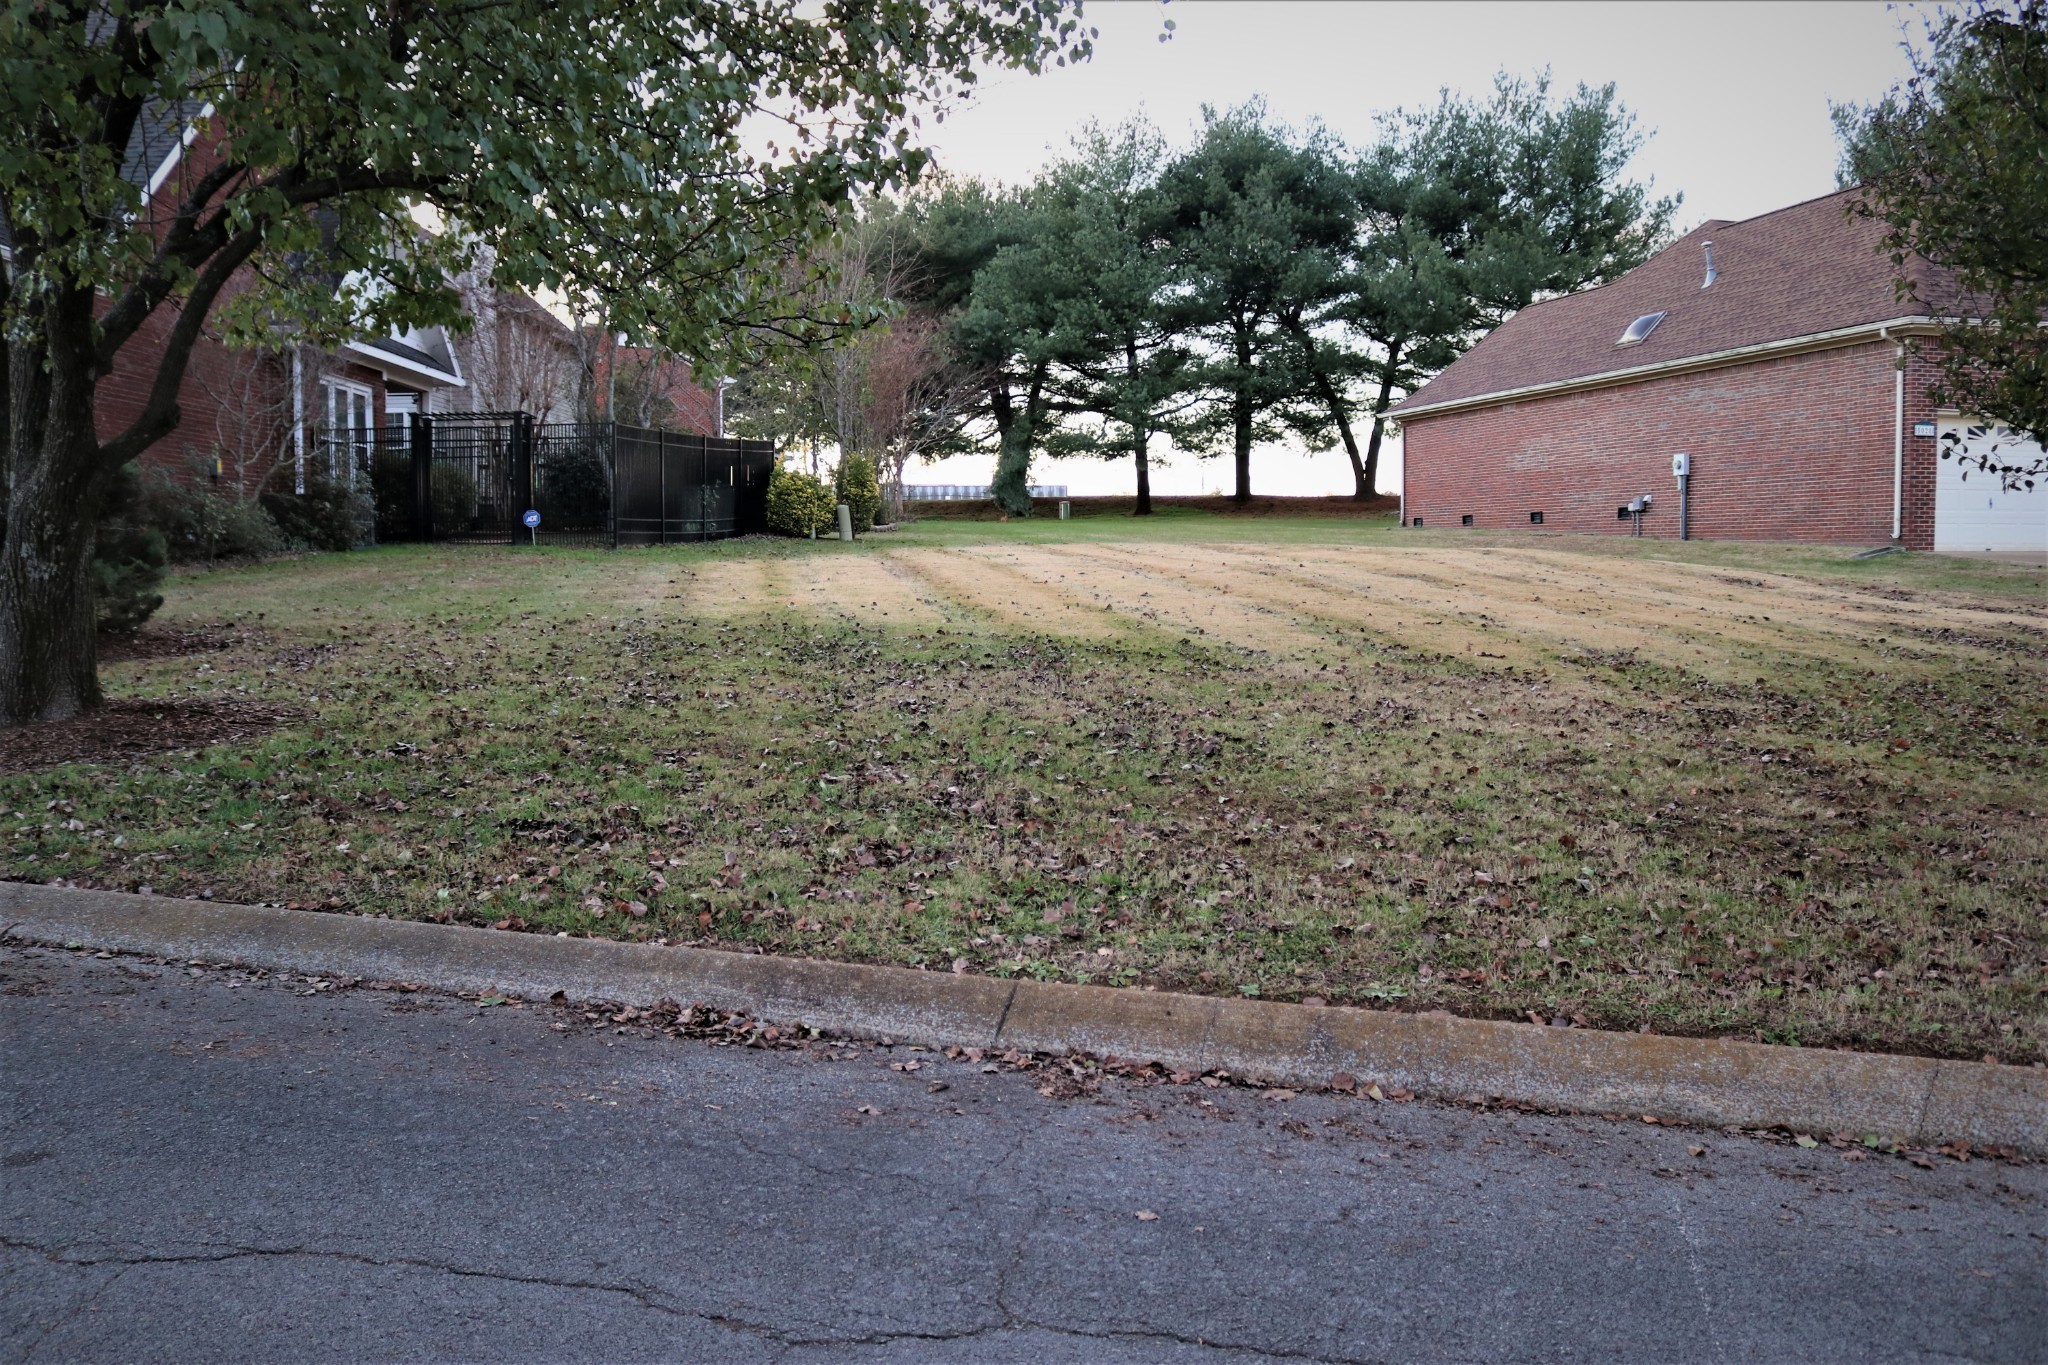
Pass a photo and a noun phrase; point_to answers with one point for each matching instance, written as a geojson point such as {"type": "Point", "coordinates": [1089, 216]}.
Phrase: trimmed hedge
{"type": "Point", "coordinates": [857, 487]}
{"type": "Point", "coordinates": [798, 504]}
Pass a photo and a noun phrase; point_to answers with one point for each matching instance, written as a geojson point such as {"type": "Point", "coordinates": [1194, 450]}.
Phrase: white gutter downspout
{"type": "Point", "coordinates": [1403, 514]}
{"type": "Point", "coordinates": [298, 421]}
{"type": "Point", "coordinates": [1898, 434]}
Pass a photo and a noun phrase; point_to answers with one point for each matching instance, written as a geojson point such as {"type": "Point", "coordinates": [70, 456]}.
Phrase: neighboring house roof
{"type": "Point", "coordinates": [1807, 275]}
{"type": "Point", "coordinates": [161, 134]}
{"type": "Point", "coordinates": [160, 138]}
{"type": "Point", "coordinates": [424, 357]}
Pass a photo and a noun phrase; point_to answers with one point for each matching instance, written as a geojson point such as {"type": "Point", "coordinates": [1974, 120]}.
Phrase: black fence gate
{"type": "Point", "coordinates": [473, 477]}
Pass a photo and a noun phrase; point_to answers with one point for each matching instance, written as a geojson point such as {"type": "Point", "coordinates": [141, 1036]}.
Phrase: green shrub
{"type": "Point", "coordinates": [451, 493]}
{"type": "Point", "coordinates": [391, 493]}
{"type": "Point", "coordinates": [128, 557]}
{"type": "Point", "coordinates": [451, 496]}
{"type": "Point", "coordinates": [576, 487]}
{"type": "Point", "coordinates": [798, 504]}
{"type": "Point", "coordinates": [329, 515]}
{"type": "Point", "coordinates": [201, 520]}
{"type": "Point", "coordinates": [858, 488]}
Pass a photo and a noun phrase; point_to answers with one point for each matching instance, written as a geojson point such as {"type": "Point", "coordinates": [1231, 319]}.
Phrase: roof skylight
{"type": "Point", "coordinates": [1640, 328]}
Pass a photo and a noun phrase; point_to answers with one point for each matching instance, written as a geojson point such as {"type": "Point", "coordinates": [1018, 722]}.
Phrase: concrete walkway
{"type": "Point", "coordinates": [200, 1166]}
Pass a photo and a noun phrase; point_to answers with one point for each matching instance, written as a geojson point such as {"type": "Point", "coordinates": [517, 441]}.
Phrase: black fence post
{"type": "Point", "coordinates": [422, 437]}
{"type": "Point", "coordinates": [661, 455]}
{"type": "Point", "coordinates": [522, 468]}
{"type": "Point", "coordinates": [611, 438]}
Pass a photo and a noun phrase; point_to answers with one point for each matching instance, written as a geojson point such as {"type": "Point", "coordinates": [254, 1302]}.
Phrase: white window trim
{"type": "Point", "coordinates": [338, 396]}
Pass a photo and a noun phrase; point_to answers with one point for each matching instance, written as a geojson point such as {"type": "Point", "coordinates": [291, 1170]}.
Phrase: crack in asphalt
{"type": "Point", "coordinates": [64, 1256]}
{"type": "Point", "coordinates": [645, 1297]}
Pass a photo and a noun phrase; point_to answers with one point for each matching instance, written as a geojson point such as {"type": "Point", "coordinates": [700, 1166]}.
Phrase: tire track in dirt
{"type": "Point", "coordinates": [996, 587]}
{"type": "Point", "coordinates": [1190, 594]}
{"type": "Point", "coordinates": [1675, 614]}
{"type": "Point", "coordinates": [1775, 610]}
{"type": "Point", "coordinates": [722, 588]}
{"type": "Point", "coordinates": [1146, 595]}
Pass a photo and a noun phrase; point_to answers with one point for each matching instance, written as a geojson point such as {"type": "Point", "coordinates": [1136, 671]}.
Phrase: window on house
{"type": "Point", "coordinates": [1535, 518]}
{"type": "Point", "coordinates": [1465, 520]}
{"type": "Point", "coordinates": [1640, 328]}
{"type": "Point", "coordinates": [346, 411]}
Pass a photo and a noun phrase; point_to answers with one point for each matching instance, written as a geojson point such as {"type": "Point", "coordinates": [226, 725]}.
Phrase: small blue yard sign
{"type": "Point", "coordinates": [531, 519]}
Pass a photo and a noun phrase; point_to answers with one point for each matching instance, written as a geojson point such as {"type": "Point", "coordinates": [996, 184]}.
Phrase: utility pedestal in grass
{"type": "Point", "coordinates": [845, 522]}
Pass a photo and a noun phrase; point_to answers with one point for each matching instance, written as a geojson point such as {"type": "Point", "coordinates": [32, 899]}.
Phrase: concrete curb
{"type": "Point", "coordinates": [1707, 1081]}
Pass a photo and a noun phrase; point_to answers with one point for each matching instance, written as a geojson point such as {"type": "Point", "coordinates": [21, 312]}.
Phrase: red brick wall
{"type": "Point", "coordinates": [1922, 454]}
{"type": "Point", "coordinates": [234, 403]}
{"type": "Point", "coordinates": [1798, 448]}
{"type": "Point", "coordinates": [692, 408]}
{"type": "Point", "coordinates": [225, 400]}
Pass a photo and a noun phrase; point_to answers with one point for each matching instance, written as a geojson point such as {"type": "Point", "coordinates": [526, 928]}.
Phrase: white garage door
{"type": "Point", "coordinates": [1972, 510]}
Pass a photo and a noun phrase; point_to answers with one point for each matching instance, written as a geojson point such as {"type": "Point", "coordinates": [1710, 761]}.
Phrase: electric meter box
{"type": "Point", "coordinates": [1681, 465]}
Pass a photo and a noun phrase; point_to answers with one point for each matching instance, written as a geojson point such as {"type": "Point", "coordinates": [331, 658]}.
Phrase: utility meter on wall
{"type": "Point", "coordinates": [1681, 465]}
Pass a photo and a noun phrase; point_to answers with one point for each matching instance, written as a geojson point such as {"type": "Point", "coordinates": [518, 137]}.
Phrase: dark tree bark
{"type": "Point", "coordinates": [1140, 438]}
{"type": "Point", "coordinates": [1241, 419]}
{"type": "Point", "coordinates": [58, 471]}
{"type": "Point", "coordinates": [1010, 486]}
{"type": "Point", "coordinates": [54, 484]}
{"type": "Point", "coordinates": [1379, 419]}
{"type": "Point", "coordinates": [1340, 413]}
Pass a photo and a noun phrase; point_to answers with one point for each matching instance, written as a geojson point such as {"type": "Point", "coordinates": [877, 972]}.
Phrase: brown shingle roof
{"type": "Point", "coordinates": [1795, 272]}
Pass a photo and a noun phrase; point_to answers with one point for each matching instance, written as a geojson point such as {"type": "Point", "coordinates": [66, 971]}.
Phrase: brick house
{"type": "Point", "coordinates": [1772, 353]}
{"type": "Point", "coordinates": [266, 418]}
{"type": "Point", "coordinates": [652, 388]}
{"type": "Point", "coordinates": [247, 412]}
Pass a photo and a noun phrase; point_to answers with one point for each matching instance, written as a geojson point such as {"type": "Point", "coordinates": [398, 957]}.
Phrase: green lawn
{"type": "Point", "coordinates": [1767, 792]}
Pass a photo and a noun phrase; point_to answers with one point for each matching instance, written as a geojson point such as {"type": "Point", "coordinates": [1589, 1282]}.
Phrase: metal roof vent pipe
{"type": "Point", "coordinates": [1712, 274]}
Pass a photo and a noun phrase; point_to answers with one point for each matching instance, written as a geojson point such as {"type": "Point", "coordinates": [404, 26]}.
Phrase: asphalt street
{"type": "Point", "coordinates": [199, 1165]}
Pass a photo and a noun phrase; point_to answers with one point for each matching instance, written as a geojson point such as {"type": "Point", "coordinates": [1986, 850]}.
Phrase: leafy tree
{"type": "Point", "coordinates": [1954, 162]}
{"type": "Point", "coordinates": [993, 258]}
{"type": "Point", "coordinates": [653, 164]}
{"type": "Point", "coordinates": [1475, 208]}
{"type": "Point", "coordinates": [1245, 203]}
{"type": "Point", "coordinates": [1125, 361]}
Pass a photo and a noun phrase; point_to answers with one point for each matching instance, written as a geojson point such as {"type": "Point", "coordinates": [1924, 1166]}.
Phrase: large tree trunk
{"type": "Point", "coordinates": [1140, 438]}
{"type": "Point", "coordinates": [48, 654]}
{"type": "Point", "coordinates": [1340, 413]}
{"type": "Point", "coordinates": [1241, 418]}
{"type": "Point", "coordinates": [1011, 485]}
{"type": "Point", "coordinates": [1013, 467]}
{"type": "Point", "coordinates": [1371, 473]}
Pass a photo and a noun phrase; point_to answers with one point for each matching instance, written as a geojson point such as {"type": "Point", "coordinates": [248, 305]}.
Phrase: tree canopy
{"type": "Point", "coordinates": [656, 164]}
{"type": "Point", "coordinates": [1954, 162]}
{"type": "Point", "coordinates": [1267, 281]}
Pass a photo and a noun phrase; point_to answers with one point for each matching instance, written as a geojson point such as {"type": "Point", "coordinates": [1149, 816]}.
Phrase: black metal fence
{"type": "Point", "coordinates": [473, 477]}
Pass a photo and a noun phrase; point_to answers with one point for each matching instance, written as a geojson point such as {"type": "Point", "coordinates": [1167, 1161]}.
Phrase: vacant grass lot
{"type": "Point", "coordinates": [1776, 793]}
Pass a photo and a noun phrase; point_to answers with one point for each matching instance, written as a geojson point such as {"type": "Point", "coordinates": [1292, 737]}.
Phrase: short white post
{"type": "Point", "coordinates": [845, 522]}
{"type": "Point", "coordinates": [1066, 509]}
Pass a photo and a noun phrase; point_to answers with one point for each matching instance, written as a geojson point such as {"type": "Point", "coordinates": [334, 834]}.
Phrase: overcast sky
{"type": "Point", "coordinates": [1735, 94]}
